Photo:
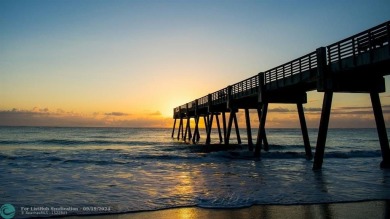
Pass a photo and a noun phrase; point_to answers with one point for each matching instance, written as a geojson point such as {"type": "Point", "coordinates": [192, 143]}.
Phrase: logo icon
{"type": "Point", "coordinates": [7, 211]}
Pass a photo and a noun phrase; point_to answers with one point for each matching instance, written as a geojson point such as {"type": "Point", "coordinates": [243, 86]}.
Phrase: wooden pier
{"type": "Point", "coordinates": [356, 64]}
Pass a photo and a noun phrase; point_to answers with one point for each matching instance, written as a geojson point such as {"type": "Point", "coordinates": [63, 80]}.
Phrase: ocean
{"type": "Point", "coordinates": [48, 171]}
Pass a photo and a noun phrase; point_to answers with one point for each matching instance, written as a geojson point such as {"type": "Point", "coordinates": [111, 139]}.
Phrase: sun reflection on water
{"type": "Point", "coordinates": [184, 185]}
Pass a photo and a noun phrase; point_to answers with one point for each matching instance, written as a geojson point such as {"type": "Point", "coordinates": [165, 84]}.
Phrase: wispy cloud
{"type": "Point", "coordinates": [312, 109]}
{"type": "Point", "coordinates": [293, 110]}
{"type": "Point", "coordinates": [278, 117]}
{"type": "Point", "coordinates": [157, 113]}
{"type": "Point", "coordinates": [117, 114]}
{"type": "Point", "coordinates": [46, 117]}
{"type": "Point", "coordinates": [280, 110]}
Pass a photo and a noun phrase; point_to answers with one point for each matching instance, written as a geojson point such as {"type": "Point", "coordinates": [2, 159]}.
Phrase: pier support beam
{"type": "Point", "coordinates": [261, 130]}
{"type": "Point", "coordinates": [173, 130]}
{"type": "Point", "coordinates": [248, 130]}
{"type": "Point", "coordinates": [263, 120]}
{"type": "Point", "coordinates": [219, 128]}
{"type": "Point", "coordinates": [206, 122]}
{"type": "Point", "coordinates": [180, 131]}
{"type": "Point", "coordinates": [263, 135]}
{"type": "Point", "coordinates": [305, 134]}
{"type": "Point", "coordinates": [237, 130]}
{"type": "Point", "coordinates": [224, 127]}
{"type": "Point", "coordinates": [185, 130]}
{"type": "Point", "coordinates": [188, 130]}
{"type": "Point", "coordinates": [323, 130]}
{"type": "Point", "coordinates": [196, 136]}
{"type": "Point", "coordinates": [381, 128]}
{"type": "Point", "coordinates": [229, 127]}
{"type": "Point", "coordinates": [232, 117]}
{"type": "Point", "coordinates": [209, 127]}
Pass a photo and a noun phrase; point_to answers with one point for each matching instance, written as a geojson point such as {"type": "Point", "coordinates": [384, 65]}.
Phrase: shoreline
{"type": "Point", "coordinates": [358, 209]}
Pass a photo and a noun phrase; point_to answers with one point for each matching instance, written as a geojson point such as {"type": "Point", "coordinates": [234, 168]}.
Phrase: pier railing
{"type": "Point", "coordinates": [183, 108]}
{"type": "Point", "coordinates": [296, 66]}
{"type": "Point", "coordinates": [219, 97]}
{"type": "Point", "coordinates": [247, 87]}
{"type": "Point", "coordinates": [365, 41]}
{"type": "Point", "coordinates": [203, 102]}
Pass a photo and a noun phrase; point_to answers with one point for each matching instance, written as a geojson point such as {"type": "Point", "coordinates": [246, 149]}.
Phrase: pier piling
{"type": "Point", "coordinates": [248, 129]}
{"type": "Point", "coordinates": [209, 128]}
{"type": "Point", "coordinates": [323, 130]}
{"type": "Point", "coordinates": [224, 127]}
{"type": "Point", "coordinates": [381, 128]}
{"type": "Point", "coordinates": [236, 128]}
{"type": "Point", "coordinates": [173, 130]}
{"type": "Point", "coordinates": [261, 130]}
{"type": "Point", "coordinates": [219, 128]}
{"type": "Point", "coordinates": [229, 127]}
{"type": "Point", "coordinates": [305, 134]}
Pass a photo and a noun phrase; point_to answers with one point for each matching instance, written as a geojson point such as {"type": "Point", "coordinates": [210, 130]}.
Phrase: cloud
{"type": "Point", "coordinates": [312, 109]}
{"type": "Point", "coordinates": [278, 117]}
{"type": "Point", "coordinates": [116, 114]}
{"type": "Point", "coordinates": [280, 110]}
{"type": "Point", "coordinates": [157, 113]}
{"type": "Point", "coordinates": [353, 107]}
{"type": "Point", "coordinates": [143, 122]}
{"type": "Point", "coordinates": [360, 107]}
{"type": "Point", "coordinates": [45, 117]}
{"type": "Point", "coordinates": [294, 110]}
{"type": "Point", "coordinates": [42, 110]}
{"type": "Point", "coordinates": [360, 112]}
{"type": "Point", "coordinates": [313, 101]}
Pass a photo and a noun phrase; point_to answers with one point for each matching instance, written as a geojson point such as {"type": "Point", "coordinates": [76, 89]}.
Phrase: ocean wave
{"type": "Point", "coordinates": [65, 160]}
{"type": "Point", "coordinates": [244, 154]}
{"type": "Point", "coordinates": [11, 142]}
{"type": "Point", "coordinates": [96, 162]}
{"type": "Point", "coordinates": [161, 157]}
{"type": "Point", "coordinates": [120, 158]}
{"type": "Point", "coordinates": [227, 201]}
{"type": "Point", "coordinates": [354, 154]}
{"type": "Point", "coordinates": [114, 157]}
{"type": "Point", "coordinates": [65, 142]}
{"type": "Point", "coordinates": [284, 147]}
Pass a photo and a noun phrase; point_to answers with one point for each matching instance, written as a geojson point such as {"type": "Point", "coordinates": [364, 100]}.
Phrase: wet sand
{"type": "Point", "coordinates": [366, 209]}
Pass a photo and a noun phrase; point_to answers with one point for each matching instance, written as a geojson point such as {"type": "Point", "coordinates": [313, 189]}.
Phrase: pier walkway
{"type": "Point", "coordinates": [356, 64]}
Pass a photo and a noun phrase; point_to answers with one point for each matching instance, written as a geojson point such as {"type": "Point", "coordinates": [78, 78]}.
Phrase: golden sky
{"type": "Point", "coordinates": [129, 63]}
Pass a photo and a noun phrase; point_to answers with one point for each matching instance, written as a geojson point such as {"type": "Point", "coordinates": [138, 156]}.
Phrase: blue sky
{"type": "Point", "coordinates": [91, 58]}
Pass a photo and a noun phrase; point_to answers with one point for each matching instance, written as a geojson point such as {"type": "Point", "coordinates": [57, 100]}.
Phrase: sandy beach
{"type": "Point", "coordinates": [366, 209]}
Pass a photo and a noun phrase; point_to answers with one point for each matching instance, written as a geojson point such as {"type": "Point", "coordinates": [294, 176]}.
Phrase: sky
{"type": "Point", "coordinates": [129, 63]}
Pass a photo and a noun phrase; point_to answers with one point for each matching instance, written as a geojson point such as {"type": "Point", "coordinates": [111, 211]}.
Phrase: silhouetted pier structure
{"type": "Point", "coordinates": [356, 64]}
